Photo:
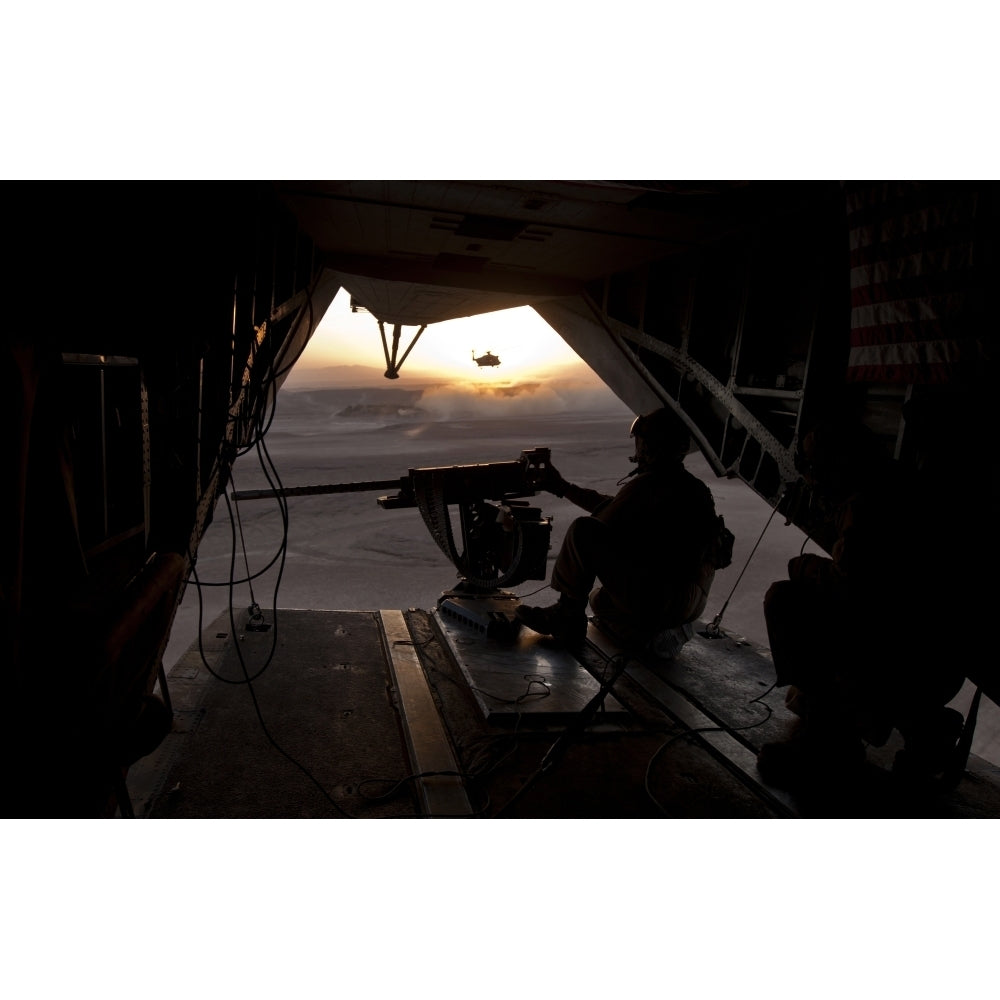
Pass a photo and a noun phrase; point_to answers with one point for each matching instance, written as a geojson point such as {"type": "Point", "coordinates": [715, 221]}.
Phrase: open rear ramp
{"type": "Point", "coordinates": [392, 714]}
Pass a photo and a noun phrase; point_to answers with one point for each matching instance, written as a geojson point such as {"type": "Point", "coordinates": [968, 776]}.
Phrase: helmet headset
{"type": "Point", "coordinates": [663, 434]}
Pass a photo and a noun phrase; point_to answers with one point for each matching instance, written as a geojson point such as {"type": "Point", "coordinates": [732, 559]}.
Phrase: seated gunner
{"type": "Point", "coordinates": [652, 547]}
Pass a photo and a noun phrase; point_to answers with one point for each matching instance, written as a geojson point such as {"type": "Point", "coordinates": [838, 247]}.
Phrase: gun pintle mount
{"type": "Point", "coordinates": [502, 543]}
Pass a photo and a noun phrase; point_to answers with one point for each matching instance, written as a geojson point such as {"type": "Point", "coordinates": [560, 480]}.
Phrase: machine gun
{"type": "Point", "coordinates": [502, 543]}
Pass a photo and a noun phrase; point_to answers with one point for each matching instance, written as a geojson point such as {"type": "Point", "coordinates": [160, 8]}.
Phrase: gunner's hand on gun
{"type": "Point", "coordinates": [548, 479]}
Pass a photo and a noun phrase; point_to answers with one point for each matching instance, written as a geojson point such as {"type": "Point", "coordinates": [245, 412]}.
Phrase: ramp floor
{"type": "Point", "coordinates": [413, 714]}
{"type": "Point", "coordinates": [522, 676]}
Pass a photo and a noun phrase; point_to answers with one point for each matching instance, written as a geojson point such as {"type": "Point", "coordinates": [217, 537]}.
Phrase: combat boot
{"type": "Point", "coordinates": [566, 620]}
{"type": "Point", "coordinates": [815, 756]}
{"type": "Point", "coordinates": [929, 743]}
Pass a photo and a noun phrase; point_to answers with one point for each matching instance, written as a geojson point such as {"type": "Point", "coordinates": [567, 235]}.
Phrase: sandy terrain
{"type": "Point", "coordinates": [346, 552]}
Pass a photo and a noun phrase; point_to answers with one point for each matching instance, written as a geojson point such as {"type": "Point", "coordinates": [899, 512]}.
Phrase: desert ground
{"type": "Point", "coordinates": [344, 552]}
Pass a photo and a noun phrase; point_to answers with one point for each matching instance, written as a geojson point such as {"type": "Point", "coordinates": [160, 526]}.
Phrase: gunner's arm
{"type": "Point", "coordinates": [590, 500]}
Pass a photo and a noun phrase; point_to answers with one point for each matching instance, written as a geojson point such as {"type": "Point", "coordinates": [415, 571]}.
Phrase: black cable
{"type": "Point", "coordinates": [276, 485]}
{"type": "Point", "coordinates": [248, 680]}
{"type": "Point", "coordinates": [262, 422]}
{"type": "Point", "coordinates": [397, 784]}
{"type": "Point", "coordinates": [515, 743]}
{"type": "Point", "coordinates": [580, 722]}
{"type": "Point", "coordinates": [284, 753]}
{"type": "Point", "coordinates": [679, 736]}
{"type": "Point", "coordinates": [760, 698]}
{"type": "Point", "coordinates": [702, 729]}
{"type": "Point", "coordinates": [471, 776]}
{"type": "Point", "coordinates": [269, 381]}
{"type": "Point", "coordinates": [618, 664]}
{"type": "Point", "coordinates": [257, 440]}
{"type": "Point", "coordinates": [233, 630]}
{"type": "Point", "coordinates": [268, 385]}
{"type": "Point", "coordinates": [400, 782]}
{"type": "Point", "coordinates": [265, 414]}
{"type": "Point", "coordinates": [279, 554]}
{"type": "Point", "coordinates": [520, 699]}
{"type": "Point", "coordinates": [265, 461]}
{"type": "Point", "coordinates": [227, 583]}
{"type": "Point", "coordinates": [805, 542]}
{"type": "Point", "coordinates": [243, 543]}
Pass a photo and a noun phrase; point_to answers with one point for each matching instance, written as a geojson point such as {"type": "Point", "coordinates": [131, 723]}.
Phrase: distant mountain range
{"type": "Point", "coordinates": [349, 376]}
{"type": "Point", "coordinates": [366, 376]}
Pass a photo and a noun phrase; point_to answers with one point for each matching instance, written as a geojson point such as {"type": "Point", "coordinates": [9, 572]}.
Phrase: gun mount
{"type": "Point", "coordinates": [502, 539]}
{"type": "Point", "coordinates": [502, 543]}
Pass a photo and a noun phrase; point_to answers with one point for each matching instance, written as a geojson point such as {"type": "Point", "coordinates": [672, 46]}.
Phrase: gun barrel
{"type": "Point", "coordinates": [457, 482]}
{"type": "Point", "coordinates": [499, 547]}
{"type": "Point", "coordinates": [310, 491]}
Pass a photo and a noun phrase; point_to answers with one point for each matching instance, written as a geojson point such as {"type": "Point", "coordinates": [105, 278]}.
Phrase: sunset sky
{"type": "Point", "coordinates": [526, 345]}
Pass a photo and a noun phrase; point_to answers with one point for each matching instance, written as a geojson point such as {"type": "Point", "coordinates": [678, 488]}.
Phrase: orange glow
{"type": "Point", "coordinates": [526, 345]}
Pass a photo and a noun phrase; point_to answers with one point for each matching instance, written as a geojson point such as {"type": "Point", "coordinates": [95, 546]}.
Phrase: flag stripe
{"type": "Point", "coordinates": [865, 249]}
{"type": "Point", "coordinates": [898, 333]}
{"type": "Point", "coordinates": [906, 310]}
{"type": "Point", "coordinates": [912, 265]}
{"type": "Point", "coordinates": [910, 374]}
{"type": "Point", "coordinates": [912, 260]}
{"type": "Point", "coordinates": [876, 203]}
{"type": "Point", "coordinates": [917, 352]}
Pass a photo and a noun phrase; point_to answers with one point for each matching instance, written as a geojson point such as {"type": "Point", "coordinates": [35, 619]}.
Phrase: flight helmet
{"type": "Point", "coordinates": [659, 436]}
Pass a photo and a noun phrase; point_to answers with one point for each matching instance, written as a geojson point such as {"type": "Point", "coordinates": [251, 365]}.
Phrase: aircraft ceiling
{"type": "Point", "coordinates": [416, 252]}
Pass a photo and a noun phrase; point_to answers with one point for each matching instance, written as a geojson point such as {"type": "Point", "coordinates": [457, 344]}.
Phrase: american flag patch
{"type": "Point", "coordinates": [916, 265]}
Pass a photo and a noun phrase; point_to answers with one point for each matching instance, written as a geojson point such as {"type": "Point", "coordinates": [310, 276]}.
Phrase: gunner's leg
{"type": "Point", "coordinates": [577, 566]}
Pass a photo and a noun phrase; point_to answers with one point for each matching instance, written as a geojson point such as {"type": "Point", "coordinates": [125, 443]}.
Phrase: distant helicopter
{"type": "Point", "coordinates": [489, 359]}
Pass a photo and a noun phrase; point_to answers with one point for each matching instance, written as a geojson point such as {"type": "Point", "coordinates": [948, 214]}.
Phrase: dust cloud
{"type": "Point", "coordinates": [486, 401]}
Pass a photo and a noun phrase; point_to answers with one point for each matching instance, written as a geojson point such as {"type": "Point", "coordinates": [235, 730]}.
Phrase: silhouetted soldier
{"type": "Point", "coordinates": [858, 636]}
{"type": "Point", "coordinates": [652, 546]}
